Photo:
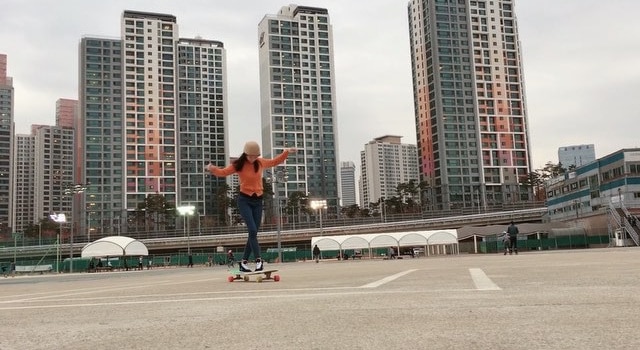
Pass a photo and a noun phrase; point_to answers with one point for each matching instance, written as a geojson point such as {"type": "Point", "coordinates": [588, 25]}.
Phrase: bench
{"type": "Point", "coordinates": [34, 268]}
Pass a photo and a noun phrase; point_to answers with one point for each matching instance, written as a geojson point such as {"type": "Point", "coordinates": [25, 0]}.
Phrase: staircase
{"type": "Point", "coordinates": [620, 218]}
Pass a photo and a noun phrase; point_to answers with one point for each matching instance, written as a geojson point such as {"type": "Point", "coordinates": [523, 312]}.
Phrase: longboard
{"type": "Point", "coordinates": [260, 275]}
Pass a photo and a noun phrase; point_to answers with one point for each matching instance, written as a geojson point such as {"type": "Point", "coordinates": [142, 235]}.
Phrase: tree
{"type": "Point", "coordinates": [156, 210]}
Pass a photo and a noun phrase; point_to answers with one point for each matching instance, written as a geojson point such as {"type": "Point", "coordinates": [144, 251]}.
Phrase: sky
{"type": "Point", "coordinates": [581, 65]}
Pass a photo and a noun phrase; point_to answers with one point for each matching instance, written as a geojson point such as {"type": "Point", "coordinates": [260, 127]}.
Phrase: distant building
{"type": "Point", "coordinates": [7, 130]}
{"type": "Point", "coordinates": [469, 98]}
{"type": "Point", "coordinates": [66, 112]}
{"type": "Point", "coordinates": [25, 190]}
{"type": "Point", "coordinates": [385, 163]}
{"type": "Point", "coordinates": [348, 183]}
{"type": "Point", "coordinates": [152, 113]}
{"type": "Point", "coordinates": [298, 99]}
{"type": "Point", "coordinates": [592, 187]}
{"type": "Point", "coordinates": [576, 156]}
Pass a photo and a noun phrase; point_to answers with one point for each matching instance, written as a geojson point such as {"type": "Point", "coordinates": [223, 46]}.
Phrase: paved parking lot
{"type": "Point", "coordinates": [581, 299]}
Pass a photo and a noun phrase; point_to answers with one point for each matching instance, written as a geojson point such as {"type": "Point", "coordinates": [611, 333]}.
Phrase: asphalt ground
{"type": "Point", "coordinates": [579, 299]}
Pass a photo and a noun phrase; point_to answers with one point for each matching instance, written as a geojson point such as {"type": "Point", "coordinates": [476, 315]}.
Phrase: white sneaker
{"type": "Point", "coordinates": [244, 267]}
{"type": "Point", "coordinates": [259, 265]}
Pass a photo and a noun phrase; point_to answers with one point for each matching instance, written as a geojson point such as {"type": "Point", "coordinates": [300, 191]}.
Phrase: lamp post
{"type": "Point", "coordinates": [319, 204]}
{"type": "Point", "coordinates": [60, 218]}
{"type": "Point", "coordinates": [186, 211]}
{"type": "Point", "coordinates": [279, 177]}
{"type": "Point", "coordinates": [71, 191]}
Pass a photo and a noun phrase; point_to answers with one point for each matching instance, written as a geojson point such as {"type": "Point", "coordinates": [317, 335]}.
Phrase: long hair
{"type": "Point", "coordinates": [239, 163]}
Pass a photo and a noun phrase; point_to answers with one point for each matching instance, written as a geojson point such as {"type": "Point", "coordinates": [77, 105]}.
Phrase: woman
{"type": "Point", "coordinates": [249, 168]}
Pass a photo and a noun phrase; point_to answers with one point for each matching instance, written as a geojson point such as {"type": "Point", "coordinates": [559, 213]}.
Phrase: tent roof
{"type": "Point", "coordinates": [389, 239]}
{"type": "Point", "coordinates": [114, 246]}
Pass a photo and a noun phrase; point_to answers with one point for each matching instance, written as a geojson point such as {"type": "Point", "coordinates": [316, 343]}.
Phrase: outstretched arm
{"type": "Point", "coordinates": [220, 172]}
{"type": "Point", "coordinates": [269, 163]}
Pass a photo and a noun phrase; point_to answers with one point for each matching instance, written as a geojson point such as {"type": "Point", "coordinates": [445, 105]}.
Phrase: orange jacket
{"type": "Point", "coordinates": [250, 180]}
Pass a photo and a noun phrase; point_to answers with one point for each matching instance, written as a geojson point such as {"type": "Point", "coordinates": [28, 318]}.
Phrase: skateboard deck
{"type": "Point", "coordinates": [260, 275]}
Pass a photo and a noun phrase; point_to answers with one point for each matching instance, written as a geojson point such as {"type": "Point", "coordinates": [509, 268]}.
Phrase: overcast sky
{"type": "Point", "coordinates": [581, 64]}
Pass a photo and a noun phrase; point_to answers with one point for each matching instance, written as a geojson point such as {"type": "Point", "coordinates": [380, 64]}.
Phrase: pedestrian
{"type": "Point", "coordinates": [140, 263]}
{"type": "Point", "coordinates": [513, 231]}
{"type": "Point", "coordinates": [506, 242]}
{"type": "Point", "coordinates": [190, 264]}
{"type": "Point", "coordinates": [392, 253]}
{"type": "Point", "coordinates": [230, 258]}
{"type": "Point", "coordinates": [316, 253]}
{"type": "Point", "coordinates": [12, 269]}
{"type": "Point", "coordinates": [4, 271]}
{"type": "Point", "coordinates": [210, 261]}
{"type": "Point", "coordinates": [149, 263]}
{"type": "Point", "coordinates": [249, 167]}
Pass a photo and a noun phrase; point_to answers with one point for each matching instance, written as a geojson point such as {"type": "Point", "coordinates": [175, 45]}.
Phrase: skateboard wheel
{"type": "Point", "coordinates": [276, 278]}
{"type": "Point", "coordinates": [259, 279]}
{"type": "Point", "coordinates": [230, 278]}
{"type": "Point", "coordinates": [245, 278]}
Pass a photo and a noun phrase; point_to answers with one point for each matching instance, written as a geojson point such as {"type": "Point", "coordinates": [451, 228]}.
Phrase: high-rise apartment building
{"type": "Point", "coordinates": [203, 133]}
{"type": "Point", "coordinates": [152, 114]}
{"type": "Point", "coordinates": [100, 135]}
{"type": "Point", "coordinates": [7, 130]}
{"type": "Point", "coordinates": [53, 170]}
{"type": "Point", "coordinates": [576, 156]}
{"type": "Point", "coordinates": [386, 163]}
{"type": "Point", "coordinates": [66, 111]}
{"type": "Point", "coordinates": [469, 99]}
{"type": "Point", "coordinates": [348, 183]}
{"type": "Point", "coordinates": [25, 183]}
{"type": "Point", "coordinates": [297, 95]}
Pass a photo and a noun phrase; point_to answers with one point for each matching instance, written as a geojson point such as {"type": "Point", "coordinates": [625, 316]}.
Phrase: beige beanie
{"type": "Point", "coordinates": [252, 148]}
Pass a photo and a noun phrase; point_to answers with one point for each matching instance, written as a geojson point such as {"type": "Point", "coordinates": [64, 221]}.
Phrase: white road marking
{"type": "Point", "coordinates": [387, 279]}
{"type": "Point", "coordinates": [481, 280]}
{"type": "Point", "coordinates": [264, 295]}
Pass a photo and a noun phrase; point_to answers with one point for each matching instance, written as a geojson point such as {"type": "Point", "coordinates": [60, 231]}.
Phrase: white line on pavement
{"type": "Point", "coordinates": [387, 279]}
{"type": "Point", "coordinates": [481, 280]}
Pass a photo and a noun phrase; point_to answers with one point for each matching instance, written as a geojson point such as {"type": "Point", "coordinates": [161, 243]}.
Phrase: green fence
{"type": "Point", "coordinates": [493, 245]}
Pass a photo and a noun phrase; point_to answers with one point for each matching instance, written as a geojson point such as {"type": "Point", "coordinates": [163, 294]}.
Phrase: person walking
{"type": "Point", "coordinates": [316, 253]}
{"type": "Point", "coordinates": [513, 231]}
{"type": "Point", "coordinates": [249, 167]}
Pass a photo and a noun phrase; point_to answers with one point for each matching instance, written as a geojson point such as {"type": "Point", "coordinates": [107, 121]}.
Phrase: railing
{"type": "Point", "coordinates": [627, 225]}
{"type": "Point", "coordinates": [178, 241]}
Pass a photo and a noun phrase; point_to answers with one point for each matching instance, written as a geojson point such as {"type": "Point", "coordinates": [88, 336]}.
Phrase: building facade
{"type": "Point", "coordinates": [7, 132]}
{"type": "Point", "coordinates": [386, 163]}
{"type": "Point", "coordinates": [348, 184]}
{"type": "Point", "coordinates": [575, 156]}
{"type": "Point", "coordinates": [591, 188]}
{"type": "Point", "coordinates": [298, 100]}
{"type": "Point", "coordinates": [25, 184]}
{"type": "Point", "coordinates": [203, 133]}
{"type": "Point", "coordinates": [53, 170]}
{"type": "Point", "coordinates": [100, 135]}
{"type": "Point", "coordinates": [469, 99]}
{"type": "Point", "coordinates": [152, 114]}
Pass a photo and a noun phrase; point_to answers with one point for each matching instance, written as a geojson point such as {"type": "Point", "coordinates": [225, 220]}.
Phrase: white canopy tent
{"type": "Point", "coordinates": [434, 241]}
{"type": "Point", "coordinates": [114, 246]}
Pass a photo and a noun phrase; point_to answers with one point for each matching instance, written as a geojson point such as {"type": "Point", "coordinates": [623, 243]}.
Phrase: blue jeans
{"type": "Point", "coordinates": [251, 211]}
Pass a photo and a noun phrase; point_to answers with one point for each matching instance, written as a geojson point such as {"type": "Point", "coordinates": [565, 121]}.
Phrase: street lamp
{"type": "Point", "coordinates": [60, 219]}
{"type": "Point", "coordinates": [71, 191]}
{"type": "Point", "coordinates": [319, 204]}
{"type": "Point", "coordinates": [186, 210]}
{"type": "Point", "coordinates": [279, 177]}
